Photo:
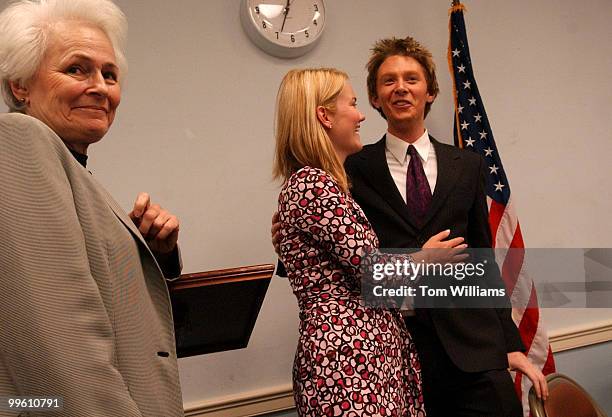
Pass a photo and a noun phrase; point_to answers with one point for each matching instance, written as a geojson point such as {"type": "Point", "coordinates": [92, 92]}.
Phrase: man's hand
{"type": "Point", "coordinates": [274, 231]}
{"type": "Point", "coordinates": [519, 362]}
{"type": "Point", "coordinates": [158, 226]}
{"type": "Point", "coordinates": [439, 250]}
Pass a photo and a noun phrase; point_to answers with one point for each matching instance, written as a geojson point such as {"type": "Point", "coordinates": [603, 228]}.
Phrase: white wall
{"type": "Point", "coordinates": [195, 130]}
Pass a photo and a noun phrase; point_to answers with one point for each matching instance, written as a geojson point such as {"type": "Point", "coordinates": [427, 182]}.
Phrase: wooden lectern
{"type": "Point", "coordinates": [216, 311]}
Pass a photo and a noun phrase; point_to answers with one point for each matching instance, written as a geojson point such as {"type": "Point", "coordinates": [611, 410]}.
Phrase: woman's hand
{"type": "Point", "coordinates": [158, 226]}
{"type": "Point", "coordinates": [519, 362]}
{"type": "Point", "coordinates": [274, 231]}
{"type": "Point", "coordinates": [438, 250]}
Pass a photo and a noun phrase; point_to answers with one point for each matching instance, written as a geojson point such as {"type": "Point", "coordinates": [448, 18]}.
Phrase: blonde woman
{"type": "Point", "coordinates": [351, 359]}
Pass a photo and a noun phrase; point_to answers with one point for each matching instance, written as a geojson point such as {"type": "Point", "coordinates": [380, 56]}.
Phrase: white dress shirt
{"type": "Point", "coordinates": [396, 151]}
{"type": "Point", "coordinates": [398, 159]}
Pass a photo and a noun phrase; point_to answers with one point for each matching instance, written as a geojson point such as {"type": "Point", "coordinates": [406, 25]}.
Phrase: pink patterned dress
{"type": "Point", "coordinates": [351, 360]}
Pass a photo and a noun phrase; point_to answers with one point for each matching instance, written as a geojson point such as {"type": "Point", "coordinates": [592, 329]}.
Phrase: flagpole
{"type": "Point", "coordinates": [455, 6]}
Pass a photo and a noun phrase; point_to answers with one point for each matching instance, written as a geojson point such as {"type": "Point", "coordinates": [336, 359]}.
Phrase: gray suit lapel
{"type": "Point", "coordinates": [121, 215]}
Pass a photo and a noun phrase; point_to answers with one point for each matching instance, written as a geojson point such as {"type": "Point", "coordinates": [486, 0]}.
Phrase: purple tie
{"type": "Point", "coordinates": [418, 193]}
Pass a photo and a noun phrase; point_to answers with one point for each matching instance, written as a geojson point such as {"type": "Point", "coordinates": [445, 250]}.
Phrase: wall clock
{"type": "Point", "coordinates": [283, 28]}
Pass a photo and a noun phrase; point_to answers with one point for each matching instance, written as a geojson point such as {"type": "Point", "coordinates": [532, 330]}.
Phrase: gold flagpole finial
{"type": "Point", "coordinates": [457, 6]}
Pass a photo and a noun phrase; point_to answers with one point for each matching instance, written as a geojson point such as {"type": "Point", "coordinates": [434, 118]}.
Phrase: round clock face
{"type": "Point", "coordinates": [284, 28]}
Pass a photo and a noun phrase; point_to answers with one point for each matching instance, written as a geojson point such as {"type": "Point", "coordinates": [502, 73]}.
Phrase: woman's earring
{"type": "Point", "coordinates": [329, 126]}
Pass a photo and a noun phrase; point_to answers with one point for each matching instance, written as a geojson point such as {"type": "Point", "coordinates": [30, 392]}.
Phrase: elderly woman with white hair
{"type": "Point", "coordinates": [84, 307]}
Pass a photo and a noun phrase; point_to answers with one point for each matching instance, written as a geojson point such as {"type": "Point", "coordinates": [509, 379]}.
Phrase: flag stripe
{"type": "Point", "coordinates": [496, 213]}
{"type": "Point", "coordinates": [513, 263]}
{"type": "Point", "coordinates": [507, 225]}
{"type": "Point", "coordinates": [529, 324]}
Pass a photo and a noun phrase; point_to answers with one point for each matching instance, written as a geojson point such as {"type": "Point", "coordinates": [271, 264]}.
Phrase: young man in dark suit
{"type": "Point", "coordinates": [412, 187]}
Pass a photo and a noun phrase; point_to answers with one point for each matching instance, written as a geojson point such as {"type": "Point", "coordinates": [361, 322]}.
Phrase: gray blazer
{"type": "Point", "coordinates": [84, 307]}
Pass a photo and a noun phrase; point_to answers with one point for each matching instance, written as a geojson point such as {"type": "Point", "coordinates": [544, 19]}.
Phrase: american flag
{"type": "Point", "coordinates": [473, 132]}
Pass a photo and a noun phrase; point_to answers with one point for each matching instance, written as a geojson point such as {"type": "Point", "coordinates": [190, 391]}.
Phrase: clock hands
{"type": "Point", "coordinates": [286, 13]}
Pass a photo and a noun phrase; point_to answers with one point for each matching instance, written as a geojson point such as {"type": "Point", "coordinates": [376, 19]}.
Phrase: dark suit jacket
{"type": "Point", "coordinates": [475, 339]}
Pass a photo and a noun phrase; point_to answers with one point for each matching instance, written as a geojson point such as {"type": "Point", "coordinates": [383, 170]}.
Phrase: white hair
{"type": "Point", "coordinates": [24, 32]}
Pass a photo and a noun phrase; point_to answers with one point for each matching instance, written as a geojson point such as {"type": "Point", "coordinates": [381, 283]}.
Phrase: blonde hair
{"type": "Point", "coordinates": [301, 140]}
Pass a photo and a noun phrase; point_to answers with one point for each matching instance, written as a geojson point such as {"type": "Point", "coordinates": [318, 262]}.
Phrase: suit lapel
{"type": "Point", "coordinates": [110, 201]}
{"type": "Point", "coordinates": [449, 170]}
{"type": "Point", "coordinates": [122, 216]}
{"type": "Point", "coordinates": [376, 170]}
{"type": "Point", "coordinates": [127, 222]}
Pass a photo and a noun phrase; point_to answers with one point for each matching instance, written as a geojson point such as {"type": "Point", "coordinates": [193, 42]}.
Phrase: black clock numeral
{"type": "Point", "coordinates": [315, 21]}
{"type": "Point", "coordinates": [307, 34]}
{"type": "Point", "coordinates": [292, 38]}
{"type": "Point", "coordinates": [316, 6]}
{"type": "Point", "coordinates": [276, 35]}
{"type": "Point", "coordinates": [264, 24]}
{"type": "Point", "coordinates": [257, 9]}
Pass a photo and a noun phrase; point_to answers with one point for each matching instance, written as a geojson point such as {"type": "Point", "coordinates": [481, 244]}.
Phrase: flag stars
{"type": "Point", "coordinates": [456, 52]}
{"type": "Point", "coordinates": [470, 141]}
{"type": "Point", "coordinates": [493, 169]}
{"type": "Point", "coordinates": [499, 186]}
{"type": "Point", "coordinates": [488, 152]}
{"type": "Point", "coordinates": [464, 125]}
{"type": "Point", "coordinates": [483, 135]}
{"type": "Point", "coordinates": [472, 101]}
{"type": "Point", "coordinates": [461, 68]}
{"type": "Point", "coordinates": [459, 109]}
{"type": "Point", "coordinates": [477, 117]}
{"type": "Point", "coordinates": [466, 85]}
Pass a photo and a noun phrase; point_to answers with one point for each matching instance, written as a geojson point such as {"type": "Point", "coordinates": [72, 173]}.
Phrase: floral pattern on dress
{"type": "Point", "coordinates": [351, 359]}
